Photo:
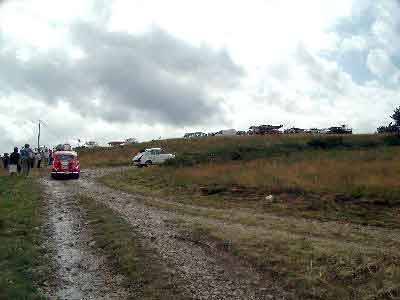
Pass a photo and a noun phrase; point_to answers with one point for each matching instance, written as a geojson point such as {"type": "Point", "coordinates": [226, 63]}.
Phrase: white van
{"type": "Point", "coordinates": [152, 156]}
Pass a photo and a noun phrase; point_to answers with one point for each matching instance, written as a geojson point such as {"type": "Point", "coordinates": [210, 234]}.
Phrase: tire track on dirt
{"type": "Point", "coordinates": [207, 274]}
{"type": "Point", "coordinates": [81, 272]}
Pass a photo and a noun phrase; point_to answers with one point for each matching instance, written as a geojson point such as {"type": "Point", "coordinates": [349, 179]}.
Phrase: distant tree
{"type": "Point", "coordinates": [396, 116]}
{"type": "Point", "coordinates": [392, 128]}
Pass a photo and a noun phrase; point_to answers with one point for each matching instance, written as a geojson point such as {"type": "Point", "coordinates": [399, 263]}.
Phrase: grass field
{"type": "Point", "coordinates": [20, 252]}
{"type": "Point", "coordinates": [331, 229]}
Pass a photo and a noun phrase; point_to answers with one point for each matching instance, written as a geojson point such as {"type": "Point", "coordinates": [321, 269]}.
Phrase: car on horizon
{"type": "Point", "coordinates": [151, 156]}
{"type": "Point", "coordinates": [65, 165]}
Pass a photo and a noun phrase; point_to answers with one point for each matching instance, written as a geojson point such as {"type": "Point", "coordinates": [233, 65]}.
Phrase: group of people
{"type": "Point", "coordinates": [23, 160]}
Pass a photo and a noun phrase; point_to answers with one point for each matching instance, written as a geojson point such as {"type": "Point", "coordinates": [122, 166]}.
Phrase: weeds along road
{"type": "Point", "coordinates": [199, 271]}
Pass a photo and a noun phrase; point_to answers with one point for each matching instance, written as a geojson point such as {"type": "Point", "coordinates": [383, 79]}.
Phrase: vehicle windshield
{"type": "Point", "coordinates": [65, 157]}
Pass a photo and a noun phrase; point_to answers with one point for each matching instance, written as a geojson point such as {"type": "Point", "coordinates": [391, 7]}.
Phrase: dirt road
{"type": "Point", "coordinates": [83, 273]}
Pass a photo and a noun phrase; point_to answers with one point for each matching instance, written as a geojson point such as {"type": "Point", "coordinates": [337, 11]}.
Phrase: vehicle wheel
{"type": "Point", "coordinates": [148, 163]}
{"type": "Point", "coordinates": [76, 176]}
{"type": "Point", "coordinates": [53, 176]}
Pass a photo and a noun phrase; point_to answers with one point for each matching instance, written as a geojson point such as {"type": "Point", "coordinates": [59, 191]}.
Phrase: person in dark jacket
{"type": "Point", "coordinates": [6, 160]}
{"type": "Point", "coordinates": [14, 161]}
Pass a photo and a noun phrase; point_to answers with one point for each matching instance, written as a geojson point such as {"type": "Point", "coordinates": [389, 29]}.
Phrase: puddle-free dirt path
{"type": "Point", "coordinates": [80, 271]}
{"type": "Point", "coordinates": [206, 273]}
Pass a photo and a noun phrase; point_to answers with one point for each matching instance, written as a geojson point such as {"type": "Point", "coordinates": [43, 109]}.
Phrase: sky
{"type": "Point", "coordinates": [109, 70]}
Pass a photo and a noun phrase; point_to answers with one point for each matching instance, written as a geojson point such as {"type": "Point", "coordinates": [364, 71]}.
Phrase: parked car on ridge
{"type": "Point", "coordinates": [151, 156]}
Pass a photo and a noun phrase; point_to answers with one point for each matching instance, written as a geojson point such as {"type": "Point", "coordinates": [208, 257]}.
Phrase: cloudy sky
{"type": "Point", "coordinates": [108, 70]}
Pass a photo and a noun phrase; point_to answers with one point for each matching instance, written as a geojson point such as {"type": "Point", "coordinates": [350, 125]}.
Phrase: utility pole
{"type": "Point", "coordinates": [38, 138]}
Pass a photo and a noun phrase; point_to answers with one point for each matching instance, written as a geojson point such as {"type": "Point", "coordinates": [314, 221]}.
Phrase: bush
{"type": "Point", "coordinates": [327, 143]}
{"type": "Point", "coordinates": [186, 160]}
{"type": "Point", "coordinates": [392, 140]}
{"type": "Point", "coordinates": [236, 155]}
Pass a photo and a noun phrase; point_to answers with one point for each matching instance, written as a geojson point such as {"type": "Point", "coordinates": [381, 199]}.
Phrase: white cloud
{"type": "Point", "coordinates": [380, 64]}
{"type": "Point", "coordinates": [300, 68]}
{"type": "Point", "coordinates": [354, 43]}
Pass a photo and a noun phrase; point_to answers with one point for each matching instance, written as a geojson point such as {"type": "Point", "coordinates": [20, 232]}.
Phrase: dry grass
{"type": "Point", "coordinates": [106, 157]}
{"type": "Point", "coordinates": [314, 259]}
{"type": "Point", "coordinates": [305, 239]}
{"type": "Point", "coordinates": [331, 261]}
{"type": "Point", "coordinates": [356, 173]}
{"type": "Point", "coordinates": [331, 232]}
{"type": "Point", "coordinates": [35, 172]}
{"type": "Point", "coordinates": [223, 148]}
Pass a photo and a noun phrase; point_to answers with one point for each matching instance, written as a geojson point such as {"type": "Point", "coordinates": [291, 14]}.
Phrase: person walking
{"type": "Point", "coordinates": [26, 159]}
{"type": "Point", "coordinates": [15, 159]}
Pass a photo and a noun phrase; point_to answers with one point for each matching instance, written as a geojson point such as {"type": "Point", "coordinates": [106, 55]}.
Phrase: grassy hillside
{"type": "Point", "coordinates": [328, 230]}
{"type": "Point", "coordinates": [194, 151]}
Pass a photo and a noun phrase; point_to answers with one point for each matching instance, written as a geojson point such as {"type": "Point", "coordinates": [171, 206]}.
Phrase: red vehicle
{"type": "Point", "coordinates": [65, 164]}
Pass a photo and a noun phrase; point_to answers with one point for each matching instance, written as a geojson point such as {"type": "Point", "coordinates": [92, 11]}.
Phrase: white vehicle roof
{"type": "Point", "coordinates": [149, 149]}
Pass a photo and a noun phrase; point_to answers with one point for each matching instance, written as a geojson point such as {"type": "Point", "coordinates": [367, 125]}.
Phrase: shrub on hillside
{"type": "Point", "coordinates": [389, 129]}
{"type": "Point", "coordinates": [326, 142]}
{"type": "Point", "coordinates": [392, 140]}
{"type": "Point", "coordinates": [179, 161]}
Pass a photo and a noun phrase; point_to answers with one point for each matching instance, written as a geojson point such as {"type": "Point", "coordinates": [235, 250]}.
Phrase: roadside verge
{"type": "Point", "coordinates": [23, 261]}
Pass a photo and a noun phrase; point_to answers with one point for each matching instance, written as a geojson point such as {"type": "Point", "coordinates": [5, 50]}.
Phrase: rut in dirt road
{"type": "Point", "coordinates": [206, 274]}
{"type": "Point", "coordinates": [81, 273]}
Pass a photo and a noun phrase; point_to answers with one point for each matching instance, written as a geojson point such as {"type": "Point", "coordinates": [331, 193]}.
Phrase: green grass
{"type": "Point", "coordinates": [20, 254]}
{"type": "Point", "coordinates": [144, 270]}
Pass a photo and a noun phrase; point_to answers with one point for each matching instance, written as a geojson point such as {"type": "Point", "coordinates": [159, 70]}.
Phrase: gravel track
{"type": "Point", "coordinates": [80, 271]}
{"type": "Point", "coordinates": [208, 273]}
{"type": "Point", "coordinates": [204, 271]}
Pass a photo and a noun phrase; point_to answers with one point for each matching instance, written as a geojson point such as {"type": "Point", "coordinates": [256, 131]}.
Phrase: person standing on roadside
{"type": "Point", "coordinates": [26, 159]}
{"type": "Point", "coordinates": [6, 160]}
{"type": "Point", "coordinates": [32, 158]}
{"type": "Point", "coordinates": [45, 157]}
{"type": "Point", "coordinates": [50, 157]}
{"type": "Point", "coordinates": [38, 157]}
{"type": "Point", "coordinates": [15, 159]}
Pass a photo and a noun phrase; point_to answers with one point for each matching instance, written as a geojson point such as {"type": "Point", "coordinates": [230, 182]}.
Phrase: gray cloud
{"type": "Point", "coordinates": [376, 23]}
{"type": "Point", "coordinates": [152, 77]}
{"type": "Point", "coordinates": [328, 79]}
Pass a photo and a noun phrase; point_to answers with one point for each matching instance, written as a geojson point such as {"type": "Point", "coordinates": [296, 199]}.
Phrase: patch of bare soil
{"type": "Point", "coordinates": [80, 272]}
